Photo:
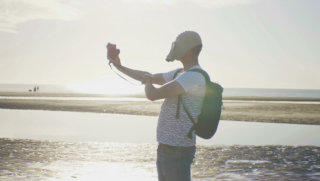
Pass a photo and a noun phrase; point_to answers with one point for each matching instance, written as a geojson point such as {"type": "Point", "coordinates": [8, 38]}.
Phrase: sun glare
{"type": "Point", "coordinates": [114, 86]}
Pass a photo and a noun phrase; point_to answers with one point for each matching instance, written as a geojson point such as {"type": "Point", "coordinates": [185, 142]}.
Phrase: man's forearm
{"type": "Point", "coordinates": [135, 74]}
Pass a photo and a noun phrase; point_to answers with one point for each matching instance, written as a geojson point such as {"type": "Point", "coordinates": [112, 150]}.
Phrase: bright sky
{"type": "Point", "coordinates": [247, 43]}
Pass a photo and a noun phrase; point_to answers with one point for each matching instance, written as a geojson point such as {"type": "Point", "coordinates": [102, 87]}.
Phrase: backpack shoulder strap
{"type": "Point", "coordinates": [207, 79]}
{"type": "Point", "coordinates": [217, 86]}
{"type": "Point", "coordinates": [180, 100]}
{"type": "Point", "coordinates": [204, 73]}
{"type": "Point", "coordinates": [176, 73]}
{"type": "Point", "coordinates": [179, 96]}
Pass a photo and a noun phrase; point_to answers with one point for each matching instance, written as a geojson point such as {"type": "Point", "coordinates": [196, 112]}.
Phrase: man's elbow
{"type": "Point", "coordinates": [152, 93]}
{"type": "Point", "coordinates": [151, 97]}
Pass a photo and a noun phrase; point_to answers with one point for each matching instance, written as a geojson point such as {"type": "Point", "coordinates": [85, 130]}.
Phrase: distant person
{"type": "Point", "coordinates": [176, 150]}
{"type": "Point", "coordinates": [34, 89]}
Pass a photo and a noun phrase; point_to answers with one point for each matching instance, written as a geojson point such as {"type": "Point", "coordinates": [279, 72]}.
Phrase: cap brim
{"type": "Point", "coordinates": [171, 56]}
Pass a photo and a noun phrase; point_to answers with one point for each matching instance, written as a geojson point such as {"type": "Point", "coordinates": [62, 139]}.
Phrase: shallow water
{"type": "Point", "coordinates": [47, 160]}
{"type": "Point", "coordinates": [78, 126]}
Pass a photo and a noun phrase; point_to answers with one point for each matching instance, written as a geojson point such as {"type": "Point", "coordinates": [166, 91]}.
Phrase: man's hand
{"type": "Point", "coordinates": [113, 54]}
{"type": "Point", "coordinates": [147, 78]}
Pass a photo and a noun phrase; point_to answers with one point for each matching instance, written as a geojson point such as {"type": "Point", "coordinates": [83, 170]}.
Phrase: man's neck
{"type": "Point", "coordinates": [188, 64]}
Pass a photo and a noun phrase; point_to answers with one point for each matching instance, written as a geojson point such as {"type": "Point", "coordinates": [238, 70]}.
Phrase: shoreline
{"type": "Point", "coordinates": [233, 98]}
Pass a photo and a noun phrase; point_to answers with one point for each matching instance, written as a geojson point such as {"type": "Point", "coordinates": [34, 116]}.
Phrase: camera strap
{"type": "Point", "coordinates": [123, 77]}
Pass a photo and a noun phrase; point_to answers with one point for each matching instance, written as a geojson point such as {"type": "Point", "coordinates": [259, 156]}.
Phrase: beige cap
{"type": "Point", "coordinates": [184, 42]}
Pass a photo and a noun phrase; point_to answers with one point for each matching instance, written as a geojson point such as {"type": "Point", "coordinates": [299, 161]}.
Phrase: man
{"type": "Point", "coordinates": [175, 151]}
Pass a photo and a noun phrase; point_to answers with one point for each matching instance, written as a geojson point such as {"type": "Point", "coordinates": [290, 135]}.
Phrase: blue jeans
{"type": "Point", "coordinates": [173, 163]}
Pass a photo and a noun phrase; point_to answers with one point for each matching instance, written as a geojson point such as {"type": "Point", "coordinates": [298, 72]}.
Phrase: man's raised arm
{"type": "Point", "coordinates": [140, 75]}
{"type": "Point", "coordinates": [113, 57]}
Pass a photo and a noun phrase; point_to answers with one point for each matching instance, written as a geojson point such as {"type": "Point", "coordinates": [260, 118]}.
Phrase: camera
{"type": "Point", "coordinates": [112, 51]}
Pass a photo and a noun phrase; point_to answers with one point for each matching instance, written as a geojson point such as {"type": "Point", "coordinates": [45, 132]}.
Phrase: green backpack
{"type": "Point", "coordinates": [209, 118]}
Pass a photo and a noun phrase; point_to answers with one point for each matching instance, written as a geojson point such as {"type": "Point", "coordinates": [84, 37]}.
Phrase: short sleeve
{"type": "Point", "coordinates": [189, 80]}
{"type": "Point", "coordinates": [168, 76]}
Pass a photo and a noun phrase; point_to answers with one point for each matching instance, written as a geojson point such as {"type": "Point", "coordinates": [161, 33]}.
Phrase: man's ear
{"type": "Point", "coordinates": [187, 55]}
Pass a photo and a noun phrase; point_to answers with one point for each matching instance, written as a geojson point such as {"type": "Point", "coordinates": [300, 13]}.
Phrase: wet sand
{"type": "Point", "coordinates": [53, 145]}
{"type": "Point", "coordinates": [47, 160]}
{"type": "Point", "coordinates": [259, 111]}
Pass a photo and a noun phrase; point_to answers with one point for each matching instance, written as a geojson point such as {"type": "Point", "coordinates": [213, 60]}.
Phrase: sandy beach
{"type": "Point", "coordinates": [274, 110]}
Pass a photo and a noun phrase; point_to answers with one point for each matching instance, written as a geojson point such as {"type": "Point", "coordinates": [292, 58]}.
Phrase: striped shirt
{"type": "Point", "coordinates": [172, 131]}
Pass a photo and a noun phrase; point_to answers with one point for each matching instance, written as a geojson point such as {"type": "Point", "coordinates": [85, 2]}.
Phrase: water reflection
{"type": "Point", "coordinates": [47, 160]}
{"type": "Point", "coordinates": [77, 126]}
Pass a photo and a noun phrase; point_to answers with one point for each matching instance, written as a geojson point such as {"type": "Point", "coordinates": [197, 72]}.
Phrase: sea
{"type": "Point", "coordinates": [246, 92]}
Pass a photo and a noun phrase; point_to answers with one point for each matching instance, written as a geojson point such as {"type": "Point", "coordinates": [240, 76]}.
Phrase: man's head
{"type": "Point", "coordinates": [187, 45]}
